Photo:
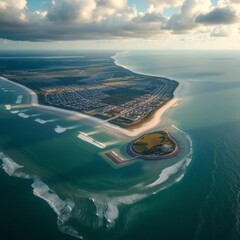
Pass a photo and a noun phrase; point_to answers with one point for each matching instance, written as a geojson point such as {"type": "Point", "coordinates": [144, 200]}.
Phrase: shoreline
{"type": "Point", "coordinates": [151, 157]}
{"type": "Point", "coordinates": [155, 117]}
{"type": "Point", "coordinates": [146, 125]}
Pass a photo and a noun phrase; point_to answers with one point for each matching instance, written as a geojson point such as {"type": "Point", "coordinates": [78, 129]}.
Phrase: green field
{"type": "Point", "coordinates": [157, 143]}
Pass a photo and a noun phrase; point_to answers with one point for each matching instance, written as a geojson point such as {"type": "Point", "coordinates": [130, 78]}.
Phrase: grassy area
{"type": "Point", "coordinates": [153, 143]}
{"type": "Point", "coordinates": [120, 96]}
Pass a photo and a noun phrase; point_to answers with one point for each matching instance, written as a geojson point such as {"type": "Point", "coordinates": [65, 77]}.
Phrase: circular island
{"type": "Point", "coordinates": [153, 146]}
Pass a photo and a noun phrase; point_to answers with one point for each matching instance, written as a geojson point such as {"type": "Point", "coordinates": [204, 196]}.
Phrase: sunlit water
{"type": "Point", "coordinates": [96, 200]}
{"type": "Point", "coordinates": [208, 196]}
{"type": "Point", "coordinates": [89, 193]}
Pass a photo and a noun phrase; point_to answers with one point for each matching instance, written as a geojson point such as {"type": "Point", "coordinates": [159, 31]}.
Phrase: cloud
{"type": "Point", "coordinates": [218, 16]}
{"type": "Point", "coordinates": [110, 19]}
{"type": "Point", "coordinates": [184, 19]}
{"type": "Point", "coordinates": [220, 32]}
{"type": "Point", "coordinates": [160, 5]}
{"type": "Point", "coordinates": [67, 11]}
{"type": "Point", "coordinates": [12, 11]}
{"type": "Point", "coordinates": [20, 4]}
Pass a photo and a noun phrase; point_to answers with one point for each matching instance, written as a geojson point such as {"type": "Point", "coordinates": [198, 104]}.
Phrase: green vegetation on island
{"type": "Point", "coordinates": [158, 143]}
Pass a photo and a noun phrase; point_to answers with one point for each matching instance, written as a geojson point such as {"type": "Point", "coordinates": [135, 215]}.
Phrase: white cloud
{"type": "Point", "coordinates": [160, 5]}
{"type": "Point", "coordinates": [12, 11]}
{"type": "Point", "coordinates": [111, 19]}
{"type": "Point", "coordinates": [184, 19]}
{"type": "Point", "coordinates": [71, 11]}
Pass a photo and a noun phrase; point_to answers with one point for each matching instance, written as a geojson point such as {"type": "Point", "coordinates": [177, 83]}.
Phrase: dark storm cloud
{"type": "Point", "coordinates": [218, 16]}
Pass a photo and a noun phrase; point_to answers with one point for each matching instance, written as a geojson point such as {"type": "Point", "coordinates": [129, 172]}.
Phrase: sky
{"type": "Point", "coordinates": [119, 24]}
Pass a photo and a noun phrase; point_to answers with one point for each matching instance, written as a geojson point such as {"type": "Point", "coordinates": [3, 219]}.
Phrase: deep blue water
{"type": "Point", "coordinates": [203, 205]}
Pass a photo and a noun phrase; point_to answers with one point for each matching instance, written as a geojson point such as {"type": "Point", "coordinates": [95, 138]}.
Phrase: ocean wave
{"type": "Point", "coordinates": [63, 208]}
{"type": "Point", "coordinates": [8, 165]}
{"type": "Point", "coordinates": [59, 129]}
{"type": "Point", "coordinates": [19, 99]}
{"type": "Point", "coordinates": [12, 168]}
{"type": "Point", "coordinates": [167, 173]}
{"type": "Point", "coordinates": [108, 208]}
{"type": "Point", "coordinates": [23, 115]}
{"type": "Point", "coordinates": [174, 170]}
{"type": "Point", "coordinates": [15, 111]}
{"type": "Point", "coordinates": [108, 205]}
{"type": "Point", "coordinates": [42, 121]}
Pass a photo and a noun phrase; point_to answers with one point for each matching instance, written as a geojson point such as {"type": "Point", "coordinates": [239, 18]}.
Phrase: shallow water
{"type": "Point", "coordinates": [102, 202]}
{"type": "Point", "coordinates": [207, 205]}
{"type": "Point", "coordinates": [90, 195]}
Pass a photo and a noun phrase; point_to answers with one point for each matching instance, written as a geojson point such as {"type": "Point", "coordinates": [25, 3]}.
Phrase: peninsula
{"type": "Point", "coordinates": [96, 86]}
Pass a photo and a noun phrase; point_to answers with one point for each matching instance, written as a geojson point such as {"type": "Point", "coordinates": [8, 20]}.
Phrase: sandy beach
{"type": "Point", "coordinates": [147, 125]}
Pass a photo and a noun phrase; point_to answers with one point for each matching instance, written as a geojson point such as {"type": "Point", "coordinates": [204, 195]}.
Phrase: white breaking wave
{"type": "Point", "coordinates": [59, 129]}
{"type": "Point", "coordinates": [63, 208]}
{"type": "Point", "coordinates": [8, 165]}
{"type": "Point", "coordinates": [23, 115]}
{"type": "Point", "coordinates": [174, 169]}
{"type": "Point", "coordinates": [42, 121]}
{"type": "Point", "coordinates": [15, 111]}
{"type": "Point", "coordinates": [187, 136]}
{"type": "Point", "coordinates": [19, 99]}
{"type": "Point", "coordinates": [167, 173]}
{"type": "Point", "coordinates": [108, 207]}
{"type": "Point", "coordinates": [42, 190]}
{"type": "Point", "coordinates": [179, 178]}
{"type": "Point", "coordinates": [171, 171]}
{"type": "Point", "coordinates": [11, 167]}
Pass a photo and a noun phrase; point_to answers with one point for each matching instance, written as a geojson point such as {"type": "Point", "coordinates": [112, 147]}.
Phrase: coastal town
{"type": "Point", "coordinates": [88, 99]}
{"type": "Point", "coordinates": [101, 89]}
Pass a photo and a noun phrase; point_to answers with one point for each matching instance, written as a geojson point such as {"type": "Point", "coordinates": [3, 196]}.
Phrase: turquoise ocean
{"type": "Point", "coordinates": [195, 195]}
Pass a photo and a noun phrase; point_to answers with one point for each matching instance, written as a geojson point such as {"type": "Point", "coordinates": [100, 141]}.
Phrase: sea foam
{"type": "Point", "coordinates": [42, 121]}
{"type": "Point", "coordinates": [59, 129]}
{"type": "Point", "coordinates": [23, 115]}
{"type": "Point", "coordinates": [8, 165]}
{"type": "Point", "coordinates": [169, 172]}
{"type": "Point", "coordinates": [63, 208]}
{"type": "Point", "coordinates": [108, 208]}
{"type": "Point", "coordinates": [15, 111]}
{"type": "Point", "coordinates": [19, 99]}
